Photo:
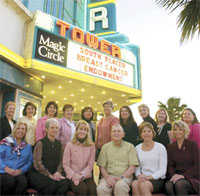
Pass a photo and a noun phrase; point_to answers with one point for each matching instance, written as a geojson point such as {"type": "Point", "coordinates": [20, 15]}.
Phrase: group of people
{"type": "Point", "coordinates": [145, 159]}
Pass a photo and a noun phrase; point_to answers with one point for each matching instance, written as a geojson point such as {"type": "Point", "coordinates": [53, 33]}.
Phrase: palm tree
{"type": "Point", "coordinates": [189, 17]}
{"type": "Point", "coordinates": [173, 108]}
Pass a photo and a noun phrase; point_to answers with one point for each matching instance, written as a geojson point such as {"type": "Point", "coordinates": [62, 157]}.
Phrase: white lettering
{"type": "Point", "coordinates": [103, 17]}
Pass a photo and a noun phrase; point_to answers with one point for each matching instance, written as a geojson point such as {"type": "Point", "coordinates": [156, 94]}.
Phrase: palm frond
{"type": "Point", "coordinates": [188, 19]}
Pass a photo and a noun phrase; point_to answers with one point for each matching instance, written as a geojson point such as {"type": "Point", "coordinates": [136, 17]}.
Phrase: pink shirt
{"type": "Point", "coordinates": [103, 130]}
{"type": "Point", "coordinates": [65, 133]}
{"type": "Point", "coordinates": [78, 159]}
{"type": "Point", "coordinates": [40, 128]}
{"type": "Point", "coordinates": [195, 133]}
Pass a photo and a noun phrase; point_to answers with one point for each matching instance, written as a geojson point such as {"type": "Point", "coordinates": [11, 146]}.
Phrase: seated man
{"type": "Point", "coordinates": [117, 161]}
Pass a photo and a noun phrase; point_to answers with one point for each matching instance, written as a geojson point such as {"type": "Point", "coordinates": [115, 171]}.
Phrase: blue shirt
{"type": "Point", "coordinates": [13, 161]}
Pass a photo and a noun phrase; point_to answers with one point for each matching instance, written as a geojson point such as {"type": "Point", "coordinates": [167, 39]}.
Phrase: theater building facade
{"type": "Point", "coordinates": [66, 51]}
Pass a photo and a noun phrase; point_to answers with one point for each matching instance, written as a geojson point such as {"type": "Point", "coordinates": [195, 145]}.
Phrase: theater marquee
{"type": "Point", "coordinates": [92, 62]}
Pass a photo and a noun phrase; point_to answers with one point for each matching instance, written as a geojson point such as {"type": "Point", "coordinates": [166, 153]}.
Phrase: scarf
{"type": "Point", "coordinates": [9, 141]}
{"type": "Point", "coordinates": [81, 140]}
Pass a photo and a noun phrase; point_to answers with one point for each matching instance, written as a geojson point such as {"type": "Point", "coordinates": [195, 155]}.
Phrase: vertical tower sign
{"type": "Point", "coordinates": [101, 17]}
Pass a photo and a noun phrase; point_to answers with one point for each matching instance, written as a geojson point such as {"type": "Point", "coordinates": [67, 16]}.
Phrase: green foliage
{"type": "Point", "coordinates": [189, 17]}
{"type": "Point", "coordinates": [173, 108]}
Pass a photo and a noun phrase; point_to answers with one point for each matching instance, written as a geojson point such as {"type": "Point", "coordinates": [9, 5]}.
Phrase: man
{"type": "Point", "coordinates": [117, 161]}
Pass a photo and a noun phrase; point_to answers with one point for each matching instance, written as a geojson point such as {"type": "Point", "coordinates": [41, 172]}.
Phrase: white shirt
{"type": "Point", "coordinates": [11, 124]}
{"type": "Point", "coordinates": [73, 128]}
{"type": "Point", "coordinates": [152, 162]}
{"type": "Point", "coordinates": [31, 125]}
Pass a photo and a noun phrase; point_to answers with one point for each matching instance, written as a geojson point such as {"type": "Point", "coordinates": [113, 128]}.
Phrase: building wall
{"type": "Point", "coordinates": [72, 11]}
{"type": "Point", "coordinates": [13, 22]}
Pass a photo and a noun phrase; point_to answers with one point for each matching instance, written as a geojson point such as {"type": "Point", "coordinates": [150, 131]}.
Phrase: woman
{"type": "Point", "coordinates": [78, 161]}
{"type": "Point", "coordinates": [129, 125]}
{"type": "Point", "coordinates": [145, 114]}
{"type": "Point", "coordinates": [163, 127]}
{"type": "Point", "coordinates": [190, 118]}
{"type": "Point", "coordinates": [46, 176]}
{"type": "Point", "coordinates": [28, 112]}
{"type": "Point", "coordinates": [51, 111]}
{"type": "Point", "coordinates": [67, 125]}
{"type": "Point", "coordinates": [183, 163]}
{"type": "Point", "coordinates": [87, 114]}
{"type": "Point", "coordinates": [7, 122]}
{"type": "Point", "coordinates": [152, 158]}
{"type": "Point", "coordinates": [15, 160]}
{"type": "Point", "coordinates": [104, 126]}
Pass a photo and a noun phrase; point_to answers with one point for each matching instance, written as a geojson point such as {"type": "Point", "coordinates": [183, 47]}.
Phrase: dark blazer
{"type": "Point", "coordinates": [184, 161]}
{"type": "Point", "coordinates": [5, 127]}
{"type": "Point", "coordinates": [162, 134]}
{"type": "Point", "coordinates": [131, 132]}
{"type": "Point", "coordinates": [152, 121]}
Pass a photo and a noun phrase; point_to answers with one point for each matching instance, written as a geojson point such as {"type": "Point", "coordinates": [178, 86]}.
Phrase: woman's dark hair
{"type": "Point", "coordinates": [49, 104]}
{"type": "Point", "coordinates": [130, 118]}
{"type": "Point", "coordinates": [25, 108]}
{"type": "Point", "coordinates": [67, 106]}
{"type": "Point", "coordinates": [84, 110]}
{"type": "Point", "coordinates": [195, 117]}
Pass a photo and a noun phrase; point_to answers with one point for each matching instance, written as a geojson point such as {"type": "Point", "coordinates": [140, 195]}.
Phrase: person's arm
{"type": "Point", "coordinates": [114, 121]}
{"type": "Point", "coordinates": [128, 172]}
{"type": "Point", "coordinates": [195, 134]}
{"type": "Point", "coordinates": [97, 133]}
{"type": "Point", "coordinates": [2, 156]}
{"type": "Point", "coordinates": [39, 130]}
{"type": "Point", "coordinates": [162, 165]}
{"type": "Point", "coordinates": [194, 153]}
{"type": "Point", "coordinates": [133, 160]}
{"type": "Point", "coordinates": [67, 162]}
{"type": "Point", "coordinates": [26, 167]}
{"type": "Point", "coordinates": [111, 180]}
{"type": "Point", "coordinates": [37, 163]}
{"type": "Point", "coordinates": [170, 162]}
{"type": "Point", "coordinates": [86, 172]}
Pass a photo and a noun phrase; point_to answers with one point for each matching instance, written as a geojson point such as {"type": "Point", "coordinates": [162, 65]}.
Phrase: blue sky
{"type": "Point", "coordinates": [168, 68]}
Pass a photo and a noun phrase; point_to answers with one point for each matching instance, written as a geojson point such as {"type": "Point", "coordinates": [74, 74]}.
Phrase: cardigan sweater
{"type": "Point", "coordinates": [5, 127]}
{"type": "Point", "coordinates": [184, 161]}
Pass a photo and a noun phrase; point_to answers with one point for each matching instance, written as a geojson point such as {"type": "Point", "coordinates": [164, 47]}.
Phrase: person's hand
{"type": "Point", "coordinates": [17, 172]}
{"type": "Point", "coordinates": [141, 178]}
{"type": "Point", "coordinates": [9, 171]}
{"type": "Point", "coordinates": [52, 177]}
{"type": "Point", "coordinates": [111, 181]}
{"type": "Point", "coordinates": [76, 179]}
{"type": "Point", "coordinates": [149, 177]}
{"type": "Point", "coordinates": [176, 177]}
{"type": "Point", "coordinates": [57, 176]}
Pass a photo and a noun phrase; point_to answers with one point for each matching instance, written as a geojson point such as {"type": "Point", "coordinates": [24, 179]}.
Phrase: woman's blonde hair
{"type": "Point", "coordinates": [16, 127]}
{"type": "Point", "coordinates": [9, 103]}
{"type": "Point", "coordinates": [88, 141]}
{"type": "Point", "coordinates": [166, 113]}
{"type": "Point", "coordinates": [144, 106]}
{"type": "Point", "coordinates": [181, 125]}
{"type": "Point", "coordinates": [146, 124]}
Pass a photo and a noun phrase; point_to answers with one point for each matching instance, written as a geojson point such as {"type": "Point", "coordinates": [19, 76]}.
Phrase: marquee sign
{"type": "Point", "coordinates": [66, 45]}
{"type": "Point", "coordinates": [92, 62]}
{"type": "Point", "coordinates": [50, 48]}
